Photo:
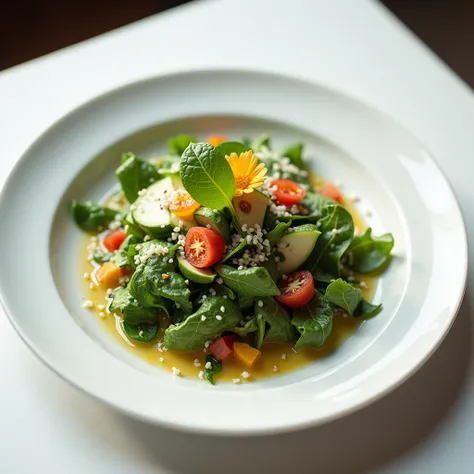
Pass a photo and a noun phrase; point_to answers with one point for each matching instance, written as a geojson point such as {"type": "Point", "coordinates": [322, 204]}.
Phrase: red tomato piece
{"type": "Point", "coordinates": [114, 240]}
{"type": "Point", "coordinates": [331, 191]}
{"type": "Point", "coordinates": [288, 192]}
{"type": "Point", "coordinates": [223, 347]}
{"type": "Point", "coordinates": [297, 290]}
{"type": "Point", "coordinates": [203, 247]}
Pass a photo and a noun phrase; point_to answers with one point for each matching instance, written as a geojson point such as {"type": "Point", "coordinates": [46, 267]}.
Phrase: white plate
{"type": "Point", "coordinates": [371, 154]}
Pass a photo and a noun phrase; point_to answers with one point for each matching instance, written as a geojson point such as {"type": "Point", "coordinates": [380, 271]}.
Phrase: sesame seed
{"type": "Point", "coordinates": [363, 284]}
{"type": "Point", "coordinates": [88, 304]}
{"type": "Point", "coordinates": [275, 368]}
{"type": "Point", "coordinates": [140, 333]}
{"type": "Point", "coordinates": [109, 291]}
{"type": "Point", "coordinates": [91, 286]}
{"type": "Point", "coordinates": [208, 365]}
{"type": "Point", "coordinates": [218, 317]}
{"type": "Point", "coordinates": [260, 303]}
{"type": "Point", "coordinates": [175, 371]}
{"type": "Point", "coordinates": [223, 309]}
{"type": "Point", "coordinates": [283, 356]}
{"type": "Point", "coordinates": [220, 281]}
{"type": "Point", "coordinates": [245, 375]}
{"type": "Point", "coordinates": [208, 226]}
{"type": "Point", "coordinates": [201, 374]}
{"type": "Point", "coordinates": [197, 363]}
{"type": "Point", "coordinates": [170, 260]}
{"type": "Point", "coordinates": [101, 314]}
{"type": "Point", "coordinates": [86, 276]}
{"type": "Point", "coordinates": [207, 344]}
{"type": "Point", "coordinates": [177, 229]}
{"type": "Point", "coordinates": [203, 318]}
{"type": "Point", "coordinates": [161, 359]}
{"type": "Point", "coordinates": [147, 238]}
{"type": "Point", "coordinates": [100, 307]}
{"type": "Point", "coordinates": [236, 381]}
{"type": "Point", "coordinates": [186, 281]}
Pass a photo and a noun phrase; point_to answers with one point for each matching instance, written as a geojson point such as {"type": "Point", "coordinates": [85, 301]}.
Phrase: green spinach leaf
{"type": "Point", "coordinates": [253, 281]}
{"type": "Point", "coordinates": [278, 232]}
{"type": "Point", "coordinates": [367, 310]}
{"type": "Point", "coordinates": [227, 148]}
{"type": "Point", "coordinates": [92, 217]}
{"type": "Point", "coordinates": [99, 256]}
{"type": "Point", "coordinates": [263, 141]}
{"type": "Point", "coordinates": [207, 176]}
{"type": "Point", "coordinates": [134, 175]}
{"type": "Point", "coordinates": [337, 230]}
{"type": "Point", "coordinates": [203, 324]}
{"type": "Point", "coordinates": [368, 254]}
{"type": "Point", "coordinates": [132, 312]}
{"type": "Point", "coordinates": [141, 332]}
{"type": "Point", "coordinates": [279, 328]}
{"type": "Point", "coordinates": [248, 328]}
{"type": "Point", "coordinates": [216, 368]}
{"type": "Point", "coordinates": [236, 251]}
{"type": "Point", "coordinates": [314, 322]}
{"type": "Point", "coordinates": [127, 251]}
{"type": "Point", "coordinates": [342, 294]}
{"type": "Point", "coordinates": [295, 153]}
{"type": "Point", "coordinates": [178, 144]}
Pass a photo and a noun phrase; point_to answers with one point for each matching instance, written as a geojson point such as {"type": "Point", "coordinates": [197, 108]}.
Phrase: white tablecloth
{"type": "Point", "coordinates": [356, 46]}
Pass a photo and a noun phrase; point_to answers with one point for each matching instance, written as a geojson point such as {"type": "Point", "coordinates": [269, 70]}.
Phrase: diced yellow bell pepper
{"type": "Point", "coordinates": [108, 275]}
{"type": "Point", "coordinates": [245, 353]}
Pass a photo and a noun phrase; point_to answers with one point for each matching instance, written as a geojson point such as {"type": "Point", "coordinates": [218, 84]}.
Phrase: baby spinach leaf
{"type": "Point", "coordinates": [207, 176]}
{"type": "Point", "coordinates": [92, 217]}
{"type": "Point", "coordinates": [245, 302]}
{"type": "Point", "coordinates": [127, 251]}
{"type": "Point", "coordinates": [260, 335]}
{"type": "Point", "coordinates": [263, 141]}
{"type": "Point", "coordinates": [314, 322]}
{"type": "Point", "coordinates": [368, 254]}
{"type": "Point", "coordinates": [248, 328]}
{"type": "Point", "coordinates": [236, 251]}
{"type": "Point", "coordinates": [271, 266]}
{"type": "Point", "coordinates": [134, 175]}
{"type": "Point", "coordinates": [131, 310]}
{"type": "Point", "coordinates": [140, 332]}
{"type": "Point", "coordinates": [314, 202]}
{"type": "Point", "coordinates": [295, 153]}
{"type": "Point", "coordinates": [253, 281]}
{"type": "Point", "coordinates": [279, 328]}
{"type": "Point", "coordinates": [203, 324]}
{"type": "Point", "coordinates": [178, 144]}
{"type": "Point", "coordinates": [366, 309]}
{"type": "Point", "coordinates": [215, 290]}
{"type": "Point", "coordinates": [216, 368]}
{"type": "Point", "coordinates": [227, 148]}
{"type": "Point", "coordinates": [342, 294]}
{"type": "Point", "coordinates": [337, 229]}
{"type": "Point", "coordinates": [99, 256]}
{"type": "Point", "coordinates": [278, 232]}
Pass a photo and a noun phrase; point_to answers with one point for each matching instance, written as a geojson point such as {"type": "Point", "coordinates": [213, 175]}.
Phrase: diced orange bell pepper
{"type": "Point", "coordinates": [215, 140]}
{"type": "Point", "coordinates": [245, 353]}
{"type": "Point", "coordinates": [108, 275]}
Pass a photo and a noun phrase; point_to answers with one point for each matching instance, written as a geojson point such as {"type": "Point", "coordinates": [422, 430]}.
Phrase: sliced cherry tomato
{"type": "Point", "coordinates": [223, 347]}
{"type": "Point", "coordinates": [297, 290]}
{"type": "Point", "coordinates": [331, 191]}
{"type": "Point", "coordinates": [215, 140]}
{"type": "Point", "coordinates": [114, 240]}
{"type": "Point", "coordinates": [183, 205]}
{"type": "Point", "coordinates": [288, 192]}
{"type": "Point", "coordinates": [203, 247]}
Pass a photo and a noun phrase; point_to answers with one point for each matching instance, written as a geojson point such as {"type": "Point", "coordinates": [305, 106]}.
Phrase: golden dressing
{"type": "Point", "coordinates": [276, 358]}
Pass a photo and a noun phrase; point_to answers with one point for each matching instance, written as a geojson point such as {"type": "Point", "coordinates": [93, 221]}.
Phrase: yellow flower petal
{"type": "Point", "coordinates": [248, 172]}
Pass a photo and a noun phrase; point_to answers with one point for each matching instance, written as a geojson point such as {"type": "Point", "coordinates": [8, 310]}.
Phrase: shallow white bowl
{"type": "Point", "coordinates": [371, 154]}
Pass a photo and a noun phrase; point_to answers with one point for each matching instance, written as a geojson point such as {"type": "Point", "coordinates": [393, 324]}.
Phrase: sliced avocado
{"type": "Point", "coordinates": [296, 246]}
{"type": "Point", "coordinates": [148, 214]}
{"type": "Point", "coordinates": [198, 275]}
{"type": "Point", "coordinates": [205, 216]}
{"type": "Point", "coordinates": [251, 208]}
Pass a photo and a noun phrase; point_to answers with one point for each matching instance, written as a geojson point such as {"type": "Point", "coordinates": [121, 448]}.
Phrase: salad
{"type": "Point", "coordinates": [221, 250]}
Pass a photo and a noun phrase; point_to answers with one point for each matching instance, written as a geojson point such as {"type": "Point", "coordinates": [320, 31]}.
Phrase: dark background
{"type": "Point", "coordinates": [31, 28]}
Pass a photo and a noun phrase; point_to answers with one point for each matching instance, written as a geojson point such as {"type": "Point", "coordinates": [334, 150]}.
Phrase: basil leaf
{"type": "Point", "coordinates": [253, 281]}
{"type": "Point", "coordinates": [227, 148]}
{"type": "Point", "coordinates": [344, 295]}
{"type": "Point", "coordinates": [178, 144]}
{"type": "Point", "coordinates": [132, 312]}
{"type": "Point", "coordinates": [367, 310]}
{"type": "Point", "coordinates": [134, 175]}
{"type": "Point", "coordinates": [278, 232]}
{"type": "Point", "coordinates": [92, 217]}
{"type": "Point", "coordinates": [207, 176]}
{"type": "Point", "coordinates": [127, 251]}
{"type": "Point", "coordinates": [368, 254]}
{"type": "Point", "coordinates": [314, 322]}
{"type": "Point", "coordinates": [279, 328]}
{"type": "Point", "coordinates": [295, 153]}
{"type": "Point", "coordinates": [337, 230]}
{"type": "Point", "coordinates": [216, 368]}
{"type": "Point", "coordinates": [203, 324]}
{"type": "Point", "coordinates": [140, 333]}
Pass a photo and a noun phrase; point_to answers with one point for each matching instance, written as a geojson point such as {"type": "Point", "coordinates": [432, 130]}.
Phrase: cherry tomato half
{"type": "Point", "coordinates": [297, 290]}
{"type": "Point", "coordinates": [114, 240]}
{"type": "Point", "coordinates": [331, 191]}
{"type": "Point", "coordinates": [183, 205]}
{"type": "Point", "coordinates": [288, 192]}
{"type": "Point", "coordinates": [203, 247]}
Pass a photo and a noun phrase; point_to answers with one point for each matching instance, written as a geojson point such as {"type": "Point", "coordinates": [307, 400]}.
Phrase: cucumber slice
{"type": "Point", "coordinates": [148, 214]}
{"type": "Point", "coordinates": [207, 217]}
{"type": "Point", "coordinates": [296, 246]}
{"type": "Point", "coordinates": [251, 208]}
{"type": "Point", "coordinates": [198, 275]}
{"type": "Point", "coordinates": [133, 228]}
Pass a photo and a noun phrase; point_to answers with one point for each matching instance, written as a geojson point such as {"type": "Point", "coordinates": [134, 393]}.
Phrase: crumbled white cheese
{"type": "Point", "coordinates": [175, 371]}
